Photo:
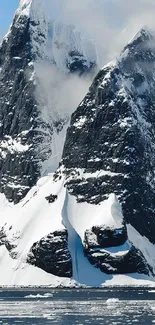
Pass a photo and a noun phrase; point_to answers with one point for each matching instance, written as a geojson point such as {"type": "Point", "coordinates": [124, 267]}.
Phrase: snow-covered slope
{"type": "Point", "coordinates": [34, 218]}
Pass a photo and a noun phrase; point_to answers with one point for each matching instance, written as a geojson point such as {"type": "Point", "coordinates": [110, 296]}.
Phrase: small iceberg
{"type": "Point", "coordinates": [112, 302]}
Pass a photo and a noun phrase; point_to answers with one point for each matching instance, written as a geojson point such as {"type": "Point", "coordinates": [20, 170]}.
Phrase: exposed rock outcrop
{"type": "Point", "coordinates": [111, 252]}
{"type": "Point", "coordinates": [51, 254]}
{"type": "Point", "coordinates": [105, 237]}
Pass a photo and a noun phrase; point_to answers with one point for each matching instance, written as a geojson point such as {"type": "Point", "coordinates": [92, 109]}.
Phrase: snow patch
{"type": "Point", "coordinates": [12, 145]}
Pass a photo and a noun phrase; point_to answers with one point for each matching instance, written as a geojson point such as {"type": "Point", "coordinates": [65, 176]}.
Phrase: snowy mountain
{"type": "Point", "coordinates": [37, 56]}
{"type": "Point", "coordinates": [112, 141]}
{"type": "Point", "coordinates": [112, 134]}
{"type": "Point", "coordinates": [80, 209]}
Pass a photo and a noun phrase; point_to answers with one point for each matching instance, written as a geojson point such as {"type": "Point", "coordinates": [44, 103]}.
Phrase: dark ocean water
{"type": "Point", "coordinates": [77, 306]}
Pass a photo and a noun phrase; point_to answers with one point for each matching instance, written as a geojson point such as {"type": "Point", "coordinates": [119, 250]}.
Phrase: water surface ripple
{"type": "Point", "coordinates": [77, 306]}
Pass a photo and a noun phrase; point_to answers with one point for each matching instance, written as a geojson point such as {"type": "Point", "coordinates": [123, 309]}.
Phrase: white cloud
{"type": "Point", "coordinates": [59, 93]}
{"type": "Point", "coordinates": [110, 23]}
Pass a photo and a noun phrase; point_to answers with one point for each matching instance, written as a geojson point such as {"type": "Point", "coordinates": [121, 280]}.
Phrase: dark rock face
{"type": "Point", "coordinates": [25, 136]}
{"type": "Point", "coordinates": [110, 143]}
{"type": "Point", "coordinates": [19, 165]}
{"type": "Point", "coordinates": [51, 254]}
{"type": "Point", "coordinates": [130, 260]}
{"type": "Point", "coordinates": [105, 237]}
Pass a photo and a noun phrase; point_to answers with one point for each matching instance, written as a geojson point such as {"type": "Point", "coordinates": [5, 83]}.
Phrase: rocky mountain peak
{"type": "Point", "coordinates": [143, 35]}
{"type": "Point", "coordinates": [141, 49]}
{"type": "Point", "coordinates": [112, 136]}
{"type": "Point", "coordinates": [24, 7]}
{"type": "Point", "coordinates": [31, 8]}
{"type": "Point", "coordinates": [33, 125]}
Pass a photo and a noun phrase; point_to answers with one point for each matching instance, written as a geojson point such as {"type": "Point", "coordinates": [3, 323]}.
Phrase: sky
{"type": "Point", "coordinates": [114, 21]}
{"type": "Point", "coordinates": [7, 10]}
